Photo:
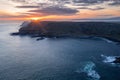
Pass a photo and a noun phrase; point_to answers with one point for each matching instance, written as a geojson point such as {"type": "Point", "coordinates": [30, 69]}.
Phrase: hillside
{"type": "Point", "coordinates": [73, 29]}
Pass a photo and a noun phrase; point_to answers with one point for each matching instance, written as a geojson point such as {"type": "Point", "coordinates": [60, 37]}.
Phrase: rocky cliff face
{"type": "Point", "coordinates": [104, 29]}
{"type": "Point", "coordinates": [31, 28]}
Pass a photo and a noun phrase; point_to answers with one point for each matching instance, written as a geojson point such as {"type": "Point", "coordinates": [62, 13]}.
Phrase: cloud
{"type": "Point", "coordinates": [64, 2]}
{"type": "Point", "coordinates": [27, 6]}
{"type": "Point", "coordinates": [54, 10]}
{"type": "Point", "coordinates": [115, 3]}
{"type": "Point", "coordinates": [105, 15]}
{"type": "Point", "coordinates": [88, 1]}
{"type": "Point", "coordinates": [12, 16]}
{"type": "Point", "coordinates": [19, 1]}
{"type": "Point", "coordinates": [63, 7]}
{"type": "Point", "coordinates": [96, 8]}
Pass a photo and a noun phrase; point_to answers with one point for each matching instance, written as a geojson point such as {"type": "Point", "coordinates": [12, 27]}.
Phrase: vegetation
{"type": "Point", "coordinates": [73, 29]}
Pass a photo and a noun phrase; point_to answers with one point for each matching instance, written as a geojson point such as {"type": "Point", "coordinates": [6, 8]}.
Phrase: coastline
{"type": "Point", "coordinates": [41, 37]}
{"type": "Point", "coordinates": [110, 31]}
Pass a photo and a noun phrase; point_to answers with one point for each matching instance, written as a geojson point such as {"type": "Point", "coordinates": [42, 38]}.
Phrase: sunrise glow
{"type": "Point", "coordinates": [58, 10]}
{"type": "Point", "coordinates": [35, 18]}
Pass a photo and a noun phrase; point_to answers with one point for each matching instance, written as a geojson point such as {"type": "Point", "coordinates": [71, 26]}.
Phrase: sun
{"type": "Point", "coordinates": [35, 18]}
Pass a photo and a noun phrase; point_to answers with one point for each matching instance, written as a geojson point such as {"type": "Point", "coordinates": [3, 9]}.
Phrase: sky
{"type": "Point", "coordinates": [59, 9]}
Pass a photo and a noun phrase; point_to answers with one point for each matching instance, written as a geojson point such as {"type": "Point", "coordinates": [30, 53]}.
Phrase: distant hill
{"type": "Point", "coordinates": [114, 18]}
{"type": "Point", "coordinates": [101, 19]}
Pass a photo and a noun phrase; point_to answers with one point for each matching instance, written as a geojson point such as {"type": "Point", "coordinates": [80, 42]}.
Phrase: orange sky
{"type": "Point", "coordinates": [31, 9]}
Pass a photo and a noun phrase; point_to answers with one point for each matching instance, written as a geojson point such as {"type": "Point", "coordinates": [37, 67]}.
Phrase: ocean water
{"type": "Point", "coordinates": [24, 58]}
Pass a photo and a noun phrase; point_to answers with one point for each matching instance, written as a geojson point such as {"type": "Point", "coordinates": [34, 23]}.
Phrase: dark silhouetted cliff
{"type": "Point", "coordinates": [47, 29]}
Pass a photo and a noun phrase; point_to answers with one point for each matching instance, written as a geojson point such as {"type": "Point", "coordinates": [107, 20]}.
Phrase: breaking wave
{"type": "Point", "coordinates": [107, 40]}
{"type": "Point", "coordinates": [104, 39]}
{"type": "Point", "coordinates": [108, 59]}
{"type": "Point", "coordinates": [88, 68]}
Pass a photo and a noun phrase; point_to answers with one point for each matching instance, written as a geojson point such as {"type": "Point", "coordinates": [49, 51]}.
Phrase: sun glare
{"type": "Point", "coordinates": [35, 18]}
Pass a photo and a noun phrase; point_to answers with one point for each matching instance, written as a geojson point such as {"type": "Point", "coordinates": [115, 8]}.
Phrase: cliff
{"type": "Point", "coordinates": [58, 29]}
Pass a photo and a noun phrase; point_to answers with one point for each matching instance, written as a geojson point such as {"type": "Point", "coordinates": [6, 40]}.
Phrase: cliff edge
{"type": "Point", "coordinates": [72, 29]}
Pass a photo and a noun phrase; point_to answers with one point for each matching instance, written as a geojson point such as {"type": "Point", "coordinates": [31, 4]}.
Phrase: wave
{"type": "Point", "coordinates": [108, 59]}
{"type": "Point", "coordinates": [104, 39]}
{"type": "Point", "coordinates": [107, 40]}
{"type": "Point", "coordinates": [88, 68]}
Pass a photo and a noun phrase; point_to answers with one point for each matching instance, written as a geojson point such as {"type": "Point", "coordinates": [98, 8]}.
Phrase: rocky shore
{"type": "Point", "coordinates": [117, 60]}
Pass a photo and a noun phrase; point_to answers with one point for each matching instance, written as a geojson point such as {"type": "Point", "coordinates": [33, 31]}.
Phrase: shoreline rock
{"type": "Point", "coordinates": [14, 34]}
{"type": "Point", "coordinates": [117, 60]}
{"type": "Point", "coordinates": [41, 38]}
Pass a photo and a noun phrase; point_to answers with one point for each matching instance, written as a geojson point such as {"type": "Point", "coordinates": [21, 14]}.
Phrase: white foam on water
{"type": "Point", "coordinates": [88, 68]}
{"type": "Point", "coordinates": [107, 40]}
{"type": "Point", "coordinates": [108, 59]}
{"type": "Point", "coordinates": [104, 39]}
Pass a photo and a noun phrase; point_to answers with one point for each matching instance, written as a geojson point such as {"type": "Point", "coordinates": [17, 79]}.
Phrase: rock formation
{"type": "Point", "coordinates": [57, 29]}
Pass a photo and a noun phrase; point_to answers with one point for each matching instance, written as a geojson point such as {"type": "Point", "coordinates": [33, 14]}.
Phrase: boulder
{"type": "Point", "coordinates": [41, 38]}
{"type": "Point", "coordinates": [117, 60]}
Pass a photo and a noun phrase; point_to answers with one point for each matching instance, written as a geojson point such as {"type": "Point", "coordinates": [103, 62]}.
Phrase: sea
{"type": "Point", "coordinates": [25, 58]}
